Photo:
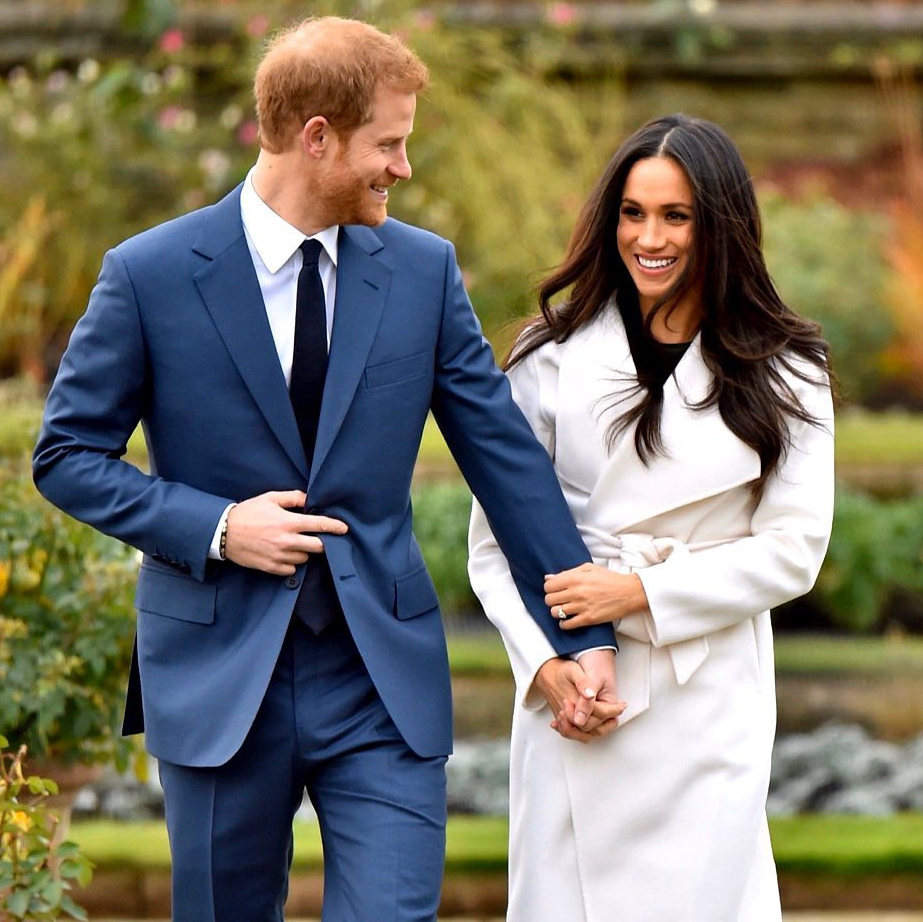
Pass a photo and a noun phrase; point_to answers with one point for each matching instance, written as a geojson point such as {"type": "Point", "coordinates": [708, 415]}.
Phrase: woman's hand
{"type": "Point", "coordinates": [591, 594]}
{"type": "Point", "coordinates": [583, 700]}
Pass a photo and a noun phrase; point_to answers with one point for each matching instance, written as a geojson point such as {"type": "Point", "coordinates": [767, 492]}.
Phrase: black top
{"type": "Point", "coordinates": [655, 361]}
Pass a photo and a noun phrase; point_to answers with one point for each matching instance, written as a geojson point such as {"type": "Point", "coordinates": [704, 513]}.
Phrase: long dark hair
{"type": "Point", "coordinates": [748, 334]}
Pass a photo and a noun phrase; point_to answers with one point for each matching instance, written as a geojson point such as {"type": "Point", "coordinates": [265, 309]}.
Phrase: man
{"type": "Point", "coordinates": [289, 635]}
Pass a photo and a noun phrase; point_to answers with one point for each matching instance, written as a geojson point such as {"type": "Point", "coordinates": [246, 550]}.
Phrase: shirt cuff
{"type": "Point", "coordinates": [576, 656]}
{"type": "Point", "coordinates": [214, 552]}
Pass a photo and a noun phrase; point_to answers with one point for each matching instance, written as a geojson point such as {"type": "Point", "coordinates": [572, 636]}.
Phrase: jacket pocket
{"type": "Point", "coordinates": [399, 370]}
{"type": "Point", "coordinates": [414, 594]}
{"type": "Point", "coordinates": [175, 596]}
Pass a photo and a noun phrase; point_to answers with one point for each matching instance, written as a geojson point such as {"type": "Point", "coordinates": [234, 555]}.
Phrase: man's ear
{"type": "Point", "coordinates": [316, 136]}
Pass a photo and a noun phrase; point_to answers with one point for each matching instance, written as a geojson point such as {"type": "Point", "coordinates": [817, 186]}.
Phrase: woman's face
{"type": "Point", "coordinates": [655, 230]}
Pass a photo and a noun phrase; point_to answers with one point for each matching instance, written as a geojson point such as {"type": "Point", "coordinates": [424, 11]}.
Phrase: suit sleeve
{"type": "Point", "coordinates": [488, 569]}
{"type": "Point", "coordinates": [695, 593]}
{"type": "Point", "coordinates": [508, 471]}
{"type": "Point", "coordinates": [95, 404]}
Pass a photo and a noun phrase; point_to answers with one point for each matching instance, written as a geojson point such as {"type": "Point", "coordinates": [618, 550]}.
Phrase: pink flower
{"type": "Point", "coordinates": [169, 117]}
{"type": "Point", "coordinates": [257, 26]}
{"type": "Point", "coordinates": [562, 14]}
{"type": "Point", "coordinates": [247, 133]}
{"type": "Point", "coordinates": [424, 20]}
{"type": "Point", "coordinates": [172, 41]}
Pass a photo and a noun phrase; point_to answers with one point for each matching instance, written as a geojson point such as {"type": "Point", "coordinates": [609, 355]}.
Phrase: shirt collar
{"type": "Point", "coordinates": [273, 238]}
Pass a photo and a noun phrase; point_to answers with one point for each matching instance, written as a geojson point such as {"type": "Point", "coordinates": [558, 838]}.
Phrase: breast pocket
{"type": "Point", "coordinates": [173, 595]}
{"type": "Point", "coordinates": [399, 370]}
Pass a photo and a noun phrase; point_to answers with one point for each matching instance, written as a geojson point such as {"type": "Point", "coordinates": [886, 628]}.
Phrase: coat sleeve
{"type": "Point", "coordinates": [508, 471]}
{"type": "Point", "coordinates": [488, 569]}
{"type": "Point", "coordinates": [95, 404]}
{"type": "Point", "coordinates": [695, 593]}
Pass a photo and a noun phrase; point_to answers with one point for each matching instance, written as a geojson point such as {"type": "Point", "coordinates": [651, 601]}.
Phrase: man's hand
{"type": "Point", "coordinates": [264, 535]}
{"type": "Point", "coordinates": [583, 700]}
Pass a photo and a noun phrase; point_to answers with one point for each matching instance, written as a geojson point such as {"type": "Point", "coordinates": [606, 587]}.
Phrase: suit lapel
{"type": "Point", "coordinates": [363, 282]}
{"type": "Point", "coordinates": [231, 292]}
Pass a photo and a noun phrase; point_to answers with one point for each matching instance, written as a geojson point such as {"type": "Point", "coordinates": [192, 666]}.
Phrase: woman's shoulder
{"type": "Point", "coordinates": [800, 373]}
{"type": "Point", "coordinates": [547, 357]}
{"type": "Point", "coordinates": [808, 382]}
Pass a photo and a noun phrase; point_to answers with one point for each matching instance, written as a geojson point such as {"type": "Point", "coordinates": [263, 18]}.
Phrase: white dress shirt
{"type": "Point", "coordinates": [274, 248]}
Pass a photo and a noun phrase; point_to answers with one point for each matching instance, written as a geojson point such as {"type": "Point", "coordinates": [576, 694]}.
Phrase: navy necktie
{"type": "Point", "coordinates": [309, 356]}
{"type": "Point", "coordinates": [317, 601]}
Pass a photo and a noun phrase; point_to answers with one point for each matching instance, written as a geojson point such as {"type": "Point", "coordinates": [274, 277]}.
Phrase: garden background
{"type": "Point", "coordinates": [117, 114]}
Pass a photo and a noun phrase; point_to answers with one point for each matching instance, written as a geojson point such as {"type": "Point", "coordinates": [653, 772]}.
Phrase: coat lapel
{"type": "Point", "coordinates": [363, 282]}
{"type": "Point", "coordinates": [703, 457]}
{"type": "Point", "coordinates": [231, 292]}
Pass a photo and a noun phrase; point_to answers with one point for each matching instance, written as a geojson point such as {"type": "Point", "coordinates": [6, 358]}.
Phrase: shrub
{"type": "Point", "coordinates": [66, 630]}
{"type": "Point", "coordinates": [828, 264]}
{"type": "Point", "coordinates": [875, 557]}
{"type": "Point", "coordinates": [36, 871]}
{"type": "Point", "coordinates": [440, 516]}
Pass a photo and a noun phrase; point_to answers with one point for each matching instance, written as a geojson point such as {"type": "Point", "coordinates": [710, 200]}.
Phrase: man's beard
{"type": "Point", "coordinates": [348, 199]}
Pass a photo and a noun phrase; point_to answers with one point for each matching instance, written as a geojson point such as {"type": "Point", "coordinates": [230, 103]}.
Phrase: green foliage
{"type": "Point", "coordinates": [440, 514]}
{"type": "Point", "coordinates": [502, 160]}
{"type": "Point", "coordinates": [37, 872]}
{"type": "Point", "coordinates": [876, 549]}
{"type": "Point", "coordinates": [828, 264]}
{"type": "Point", "coordinates": [66, 630]}
{"type": "Point", "coordinates": [87, 158]}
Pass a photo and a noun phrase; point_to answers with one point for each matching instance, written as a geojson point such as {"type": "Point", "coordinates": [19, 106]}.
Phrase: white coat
{"type": "Point", "coordinates": [664, 819]}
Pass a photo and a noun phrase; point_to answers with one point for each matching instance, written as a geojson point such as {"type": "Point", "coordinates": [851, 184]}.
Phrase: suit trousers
{"type": "Point", "coordinates": [381, 808]}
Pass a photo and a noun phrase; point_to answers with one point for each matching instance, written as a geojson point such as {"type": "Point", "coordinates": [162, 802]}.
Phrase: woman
{"type": "Point", "coordinates": [689, 414]}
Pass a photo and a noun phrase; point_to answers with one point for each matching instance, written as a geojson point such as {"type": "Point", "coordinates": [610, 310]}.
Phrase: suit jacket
{"type": "Point", "coordinates": [176, 336]}
{"type": "Point", "coordinates": [693, 747]}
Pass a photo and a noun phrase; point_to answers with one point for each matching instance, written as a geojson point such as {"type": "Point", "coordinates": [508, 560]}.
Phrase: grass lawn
{"type": "Point", "coordinates": [840, 845]}
{"type": "Point", "coordinates": [473, 844]}
{"type": "Point", "coordinates": [828, 655]}
{"type": "Point", "coordinates": [879, 438]}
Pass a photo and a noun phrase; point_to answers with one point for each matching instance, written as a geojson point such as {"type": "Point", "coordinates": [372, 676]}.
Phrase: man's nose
{"type": "Point", "coordinates": [400, 166]}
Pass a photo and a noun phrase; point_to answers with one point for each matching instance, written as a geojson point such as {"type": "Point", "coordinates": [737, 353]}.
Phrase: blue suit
{"type": "Point", "coordinates": [176, 336]}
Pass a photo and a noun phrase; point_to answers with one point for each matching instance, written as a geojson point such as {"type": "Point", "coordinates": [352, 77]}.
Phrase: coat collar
{"type": "Point", "coordinates": [703, 457]}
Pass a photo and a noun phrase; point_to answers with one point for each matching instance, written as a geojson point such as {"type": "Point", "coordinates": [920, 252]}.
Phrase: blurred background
{"type": "Point", "coordinates": [118, 114]}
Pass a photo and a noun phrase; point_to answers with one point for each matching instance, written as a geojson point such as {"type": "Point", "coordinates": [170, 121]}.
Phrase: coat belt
{"type": "Point", "coordinates": [627, 553]}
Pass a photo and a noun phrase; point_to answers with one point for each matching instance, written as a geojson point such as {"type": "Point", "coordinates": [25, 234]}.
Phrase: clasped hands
{"type": "Point", "coordinates": [582, 694]}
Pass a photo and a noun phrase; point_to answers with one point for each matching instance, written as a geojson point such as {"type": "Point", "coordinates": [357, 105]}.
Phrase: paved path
{"type": "Point", "coordinates": [789, 917]}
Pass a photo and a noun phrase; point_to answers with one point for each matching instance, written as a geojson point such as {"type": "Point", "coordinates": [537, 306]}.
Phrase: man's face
{"type": "Point", "coordinates": [365, 165]}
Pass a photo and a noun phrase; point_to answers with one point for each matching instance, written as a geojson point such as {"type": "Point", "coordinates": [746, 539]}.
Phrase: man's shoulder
{"type": "Point", "coordinates": [176, 234]}
{"type": "Point", "coordinates": [397, 233]}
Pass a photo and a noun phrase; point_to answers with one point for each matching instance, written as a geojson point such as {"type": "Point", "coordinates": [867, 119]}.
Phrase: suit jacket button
{"type": "Point", "coordinates": [293, 582]}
